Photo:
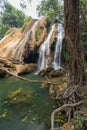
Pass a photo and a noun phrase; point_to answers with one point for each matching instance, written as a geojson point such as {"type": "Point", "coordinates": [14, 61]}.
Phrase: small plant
{"type": "Point", "coordinates": [64, 52]}
{"type": "Point", "coordinates": [80, 122]}
{"type": "Point", "coordinates": [3, 30]}
{"type": "Point", "coordinates": [59, 119]}
{"type": "Point", "coordinates": [37, 35]}
{"type": "Point", "coordinates": [26, 21]}
{"type": "Point", "coordinates": [8, 31]}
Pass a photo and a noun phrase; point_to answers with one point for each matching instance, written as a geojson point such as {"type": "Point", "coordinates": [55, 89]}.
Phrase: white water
{"type": "Point", "coordinates": [44, 52]}
{"type": "Point", "coordinates": [20, 48]}
{"type": "Point", "coordinates": [57, 55]}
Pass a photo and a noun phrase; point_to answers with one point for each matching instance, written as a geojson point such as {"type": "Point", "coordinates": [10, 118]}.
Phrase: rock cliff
{"type": "Point", "coordinates": [22, 45]}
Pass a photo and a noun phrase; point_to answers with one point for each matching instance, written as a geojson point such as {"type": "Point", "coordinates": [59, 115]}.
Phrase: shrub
{"type": "Point", "coordinates": [8, 31]}
{"type": "Point", "coordinates": [26, 21]}
{"type": "Point", "coordinates": [37, 35]}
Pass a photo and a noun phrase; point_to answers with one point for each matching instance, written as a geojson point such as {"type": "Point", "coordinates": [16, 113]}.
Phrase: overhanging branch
{"type": "Point", "coordinates": [28, 80]}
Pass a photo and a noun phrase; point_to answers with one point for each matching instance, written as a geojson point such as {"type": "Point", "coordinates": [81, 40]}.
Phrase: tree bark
{"type": "Point", "coordinates": [76, 58]}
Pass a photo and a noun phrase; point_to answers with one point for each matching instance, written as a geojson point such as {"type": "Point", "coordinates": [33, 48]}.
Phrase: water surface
{"type": "Point", "coordinates": [32, 116]}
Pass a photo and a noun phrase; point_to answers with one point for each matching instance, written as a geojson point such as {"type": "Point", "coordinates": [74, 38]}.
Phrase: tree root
{"type": "Point", "coordinates": [62, 108]}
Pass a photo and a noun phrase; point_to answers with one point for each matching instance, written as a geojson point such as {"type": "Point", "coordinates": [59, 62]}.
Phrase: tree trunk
{"type": "Point", "coordinates": [76, 58]}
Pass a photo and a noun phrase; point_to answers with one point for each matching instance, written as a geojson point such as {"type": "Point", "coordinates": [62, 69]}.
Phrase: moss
{"type": "Point", "coordinates": [37, 35]}
{"type": "Point", "coordinates": [26, 21]}
{"type": "Point", "coordinates": [3, 30]}
{"type": "Point", "coordinates": [8, 31]}
{"type": "Point", "coordinates": [20, 96]}
{"type": "Point", "coordinates": [24, 119]}
{"type": "Point", "coordinates": [65, 56]}
{"type": "Point", "coordinates": [4, 114]}
{"type": "Point", "coordinates": [60, 119]}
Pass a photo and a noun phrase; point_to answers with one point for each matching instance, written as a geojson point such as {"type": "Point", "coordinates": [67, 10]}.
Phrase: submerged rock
{"type": "Point", "coordinates": [20, 96]}
{"type": "Point", "coordinates": [15, 68]}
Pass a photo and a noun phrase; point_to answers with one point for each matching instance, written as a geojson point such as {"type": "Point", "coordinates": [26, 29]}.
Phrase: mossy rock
{"type": "Point", "coordinates": [21, 95]}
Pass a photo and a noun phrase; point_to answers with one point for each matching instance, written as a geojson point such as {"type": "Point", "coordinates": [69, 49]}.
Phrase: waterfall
{"type": "Point", "coordinates": [44, 52]}
{"type": "Point", "coordinates": [57, 55]}
{"type": "Point", "coordinates": [17, 53]}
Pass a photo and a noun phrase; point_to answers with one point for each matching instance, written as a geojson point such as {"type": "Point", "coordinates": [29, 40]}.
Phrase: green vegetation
{"type": "Point", "coordinates": [83, 26]}
{"type": "Point", "coordinates": [11, 17]}
{"type": "Point", "coordinates": [20, 96]}
{"type": "Point", "coordinates": [3, 30]}
{"type": "Point", "coordinates": [37, 35]}
{"type": "Point", "coordinates": [65, 56]}
{"type": "Point", "coordinates": [81, 122]}
{"type": "Point", "coordinates": [26, 21]}
{"type": "Point", "coordinates": [8, 31]}
{"type": "Point", "coordinates": [50, 8]}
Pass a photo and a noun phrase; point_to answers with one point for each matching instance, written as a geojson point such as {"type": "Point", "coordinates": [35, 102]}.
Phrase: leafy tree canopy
{"type": "Point", "coordinates": [50, 8]}
{"type": "Point", "coordinates": [12, 17]}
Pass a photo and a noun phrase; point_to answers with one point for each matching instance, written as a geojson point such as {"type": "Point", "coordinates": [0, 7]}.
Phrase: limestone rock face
{"type": "Point", "coordinates": [26, 68]}
{"type": "Point", "coordinates": [21, 44]}
{"type": "Point", "coordinates": [15, 68]}
{"type": "Point", "coordinates": [9, 43]}
{"type": "Point", "coordinates": [21, 47]}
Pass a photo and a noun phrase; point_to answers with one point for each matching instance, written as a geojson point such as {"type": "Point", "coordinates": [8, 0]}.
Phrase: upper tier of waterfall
{"type": "Point", "coordinates": [44, 51]}
{"type": "Point", "coordinates": [57, 55]}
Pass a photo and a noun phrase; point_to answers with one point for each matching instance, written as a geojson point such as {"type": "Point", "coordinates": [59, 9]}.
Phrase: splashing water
{"type": "Point", "coordinates": [57, 55]}
{"type": "Point", "coordinates": [44, 52]}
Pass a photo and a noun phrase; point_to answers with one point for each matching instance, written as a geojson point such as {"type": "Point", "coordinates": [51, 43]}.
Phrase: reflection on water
{"type": "Point", "coordinates": [34, 115]}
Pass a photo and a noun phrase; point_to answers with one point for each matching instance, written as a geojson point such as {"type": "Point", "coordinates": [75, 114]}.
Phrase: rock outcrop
{"type": "Point", "coordinates": [21, 46]}
{"type": "Point", "coordinates": [17, 69]}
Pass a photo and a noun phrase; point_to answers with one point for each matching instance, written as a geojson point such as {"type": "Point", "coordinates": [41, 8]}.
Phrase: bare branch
{"type": "Point", "coordinates": [28, 80]}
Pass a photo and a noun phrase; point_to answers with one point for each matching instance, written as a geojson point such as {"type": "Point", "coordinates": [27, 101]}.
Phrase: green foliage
{"type": "Point", "coordinates": [4, 114]}
{"type": "Point", "coordinates": [80, 122]}
{"type": "Point", "coordinates": [8, 31]}
{"type": "Point", "coordinates": [3, 30]}
{"type": "Point", "coordinates": [83, 26]}
{"type": "Point", "coordinates": [12, 17]}
{"type": "Point", "coordinates": [65, 55]}
{"type": "Point", "coordinates": [24, 119]}
{"type": "Point", "coordinates": [26, 21]}
{"type": "Point", "coordinates": [50, 8]}
{"type": "Point", "coordinates": [21, 95]}
{"type": "Point", "coordinates": [51, 15]}
{"type": "Point", "coordinates": [59, 119]}
{"type": "Point", "coordinates": [84, 41]}
{"type": "Point", "coordinates": [37, 35]}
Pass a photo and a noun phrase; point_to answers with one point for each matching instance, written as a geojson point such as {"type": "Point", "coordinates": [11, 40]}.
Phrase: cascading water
{"type": "Point", "coordinates": [57, 55]}
{"type": "Point", "coordinates": [20, 48]}
{"type": "Point", "coordinates": [44, 52]}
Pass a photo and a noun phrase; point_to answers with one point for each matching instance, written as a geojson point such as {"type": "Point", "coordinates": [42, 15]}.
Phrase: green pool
{"type": "Point", "coordinates": [34, 115]}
